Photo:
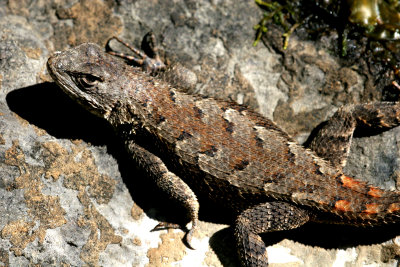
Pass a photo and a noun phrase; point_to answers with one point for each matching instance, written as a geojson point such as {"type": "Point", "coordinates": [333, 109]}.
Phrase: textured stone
{"type": "Point", "coordinates": [55, 159]}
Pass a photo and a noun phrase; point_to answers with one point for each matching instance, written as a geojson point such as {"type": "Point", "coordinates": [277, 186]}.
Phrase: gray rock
{"type": "Point", "coordinates": [69, 196]}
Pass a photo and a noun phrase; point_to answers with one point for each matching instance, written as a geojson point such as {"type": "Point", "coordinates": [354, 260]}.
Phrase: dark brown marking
{"type": "Point", "coordinates": [316, 165]}
{"type": "Point", "coordinates": [172, 96]}
{"type": "Point", "coordinates": [198, 112]}
{"type": "Point", "coordinates": [184, 135]}
{"type": "Point", "coordinates": [259, 141]}
{"type": "Point", "coordinates": [228, 126]}
{"type": "Point", "coordinates": [160, 118]}
{"type": "Point", "coordinates": [210, 152]}
{"type": "Point", "coordinates": [240, 166]}
{"type": "Point", "coordinates": [241, 108]}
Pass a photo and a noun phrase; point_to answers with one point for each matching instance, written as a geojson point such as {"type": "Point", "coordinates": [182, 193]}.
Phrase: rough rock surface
{"type": "Point", "coordinates": [69, 196]}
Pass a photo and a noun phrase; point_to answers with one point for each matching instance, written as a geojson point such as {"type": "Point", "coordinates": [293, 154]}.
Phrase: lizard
{"type": "Point", "coordinates": [192, 146]}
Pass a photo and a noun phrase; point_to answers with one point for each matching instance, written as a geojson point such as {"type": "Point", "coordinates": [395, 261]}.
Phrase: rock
{"type": "Point", "coordinates": [70, 196]}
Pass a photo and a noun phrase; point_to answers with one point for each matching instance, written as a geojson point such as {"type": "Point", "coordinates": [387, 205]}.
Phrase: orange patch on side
{"type": "Point", "coordinates": [372, 208]}
{"type": "Point", "coordinates": [375, 192]}
{"type": "Point", "coordinates": [343, 205]}
{"type": "Point", "coordinates": [351, 183]}
{"type": "Point", "coordinates": [393, 207]}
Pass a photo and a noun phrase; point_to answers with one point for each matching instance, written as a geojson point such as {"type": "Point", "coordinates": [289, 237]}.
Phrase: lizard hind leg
{"type": "Point", "coordinates": [332, 141]}
{"type": "Point", "coordinates": [263, 218]}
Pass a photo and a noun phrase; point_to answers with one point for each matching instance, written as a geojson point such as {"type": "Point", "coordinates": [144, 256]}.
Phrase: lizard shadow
{"type": "Point", "coordinates": [47, 107]}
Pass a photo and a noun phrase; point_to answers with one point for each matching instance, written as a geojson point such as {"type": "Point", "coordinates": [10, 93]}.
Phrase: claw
{"type": "Point", "coordinates": [189, 234]}
{"type": "Point", "coordinates": [188, 237]}
{"type": "Point", "coordinates": [165, 225]}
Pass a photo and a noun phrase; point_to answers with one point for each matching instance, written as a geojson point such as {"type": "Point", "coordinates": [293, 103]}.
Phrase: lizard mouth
{"type": "Point", "coordinates": [50, 64]}
{"type": "Point", "coordinates": [54, 67]}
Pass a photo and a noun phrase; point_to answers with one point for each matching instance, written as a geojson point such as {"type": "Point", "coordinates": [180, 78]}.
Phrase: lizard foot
{"type": "Point", "coordinates": [150, 64]}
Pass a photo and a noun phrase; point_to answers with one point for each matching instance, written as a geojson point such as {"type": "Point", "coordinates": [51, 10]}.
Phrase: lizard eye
{"type": "Point", "coordinates": [88, 80]}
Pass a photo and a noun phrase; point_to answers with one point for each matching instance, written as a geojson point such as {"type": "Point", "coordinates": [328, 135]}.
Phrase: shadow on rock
{"type": "Point", "coordinates": [312, 234]}
{"type": "Point", "coordinates": [329, 236]}
{"type": "Point", "coordinates": [223, 244]}
{"type": "Point", "coordinates": [47, 107]}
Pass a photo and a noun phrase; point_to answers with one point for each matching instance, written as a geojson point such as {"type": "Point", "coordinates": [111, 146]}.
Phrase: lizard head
{"type": "Point", "coordinates": [89, 76]}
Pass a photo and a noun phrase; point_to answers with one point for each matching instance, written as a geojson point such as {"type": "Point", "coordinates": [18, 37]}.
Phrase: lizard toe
{"type": "Point", "coordinates": [166, 225]}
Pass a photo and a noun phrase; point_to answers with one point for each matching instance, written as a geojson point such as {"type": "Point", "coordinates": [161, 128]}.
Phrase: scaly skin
{"type": "Point", "coordinates": [192, 145]}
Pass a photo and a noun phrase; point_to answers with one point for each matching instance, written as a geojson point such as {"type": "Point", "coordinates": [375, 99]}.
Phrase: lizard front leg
{"type": "Point", "coordinates": [263, 218]}
{"type": "Point", "coordinates": [168, 182]}
{"type": "Point", "coordinates": [332, 141]}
